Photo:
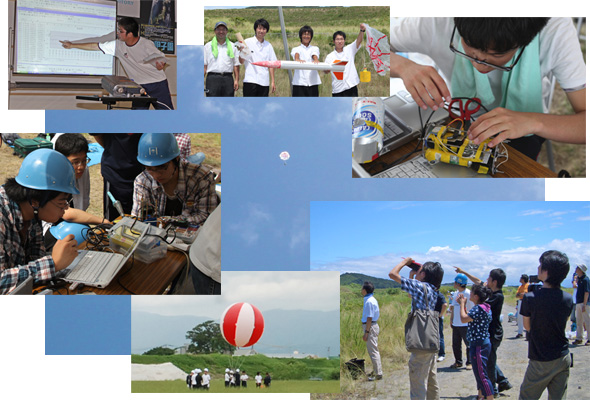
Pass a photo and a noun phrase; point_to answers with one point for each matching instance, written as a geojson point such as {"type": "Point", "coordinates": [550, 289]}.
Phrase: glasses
{"type": "Point", "coordinates": [159, 168]}
{"type": "Point", "coordinates": [62, 204]}
{"type": "Point", "coordinates": [475, 60]}
{"type": "Point", "coordinates": [80, 162]}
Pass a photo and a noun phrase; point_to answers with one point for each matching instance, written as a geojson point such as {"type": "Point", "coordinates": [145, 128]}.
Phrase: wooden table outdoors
{"type": "Point", "coordinates": [517, 166]}
{"type": "Point", "coordinates": [139, 278]}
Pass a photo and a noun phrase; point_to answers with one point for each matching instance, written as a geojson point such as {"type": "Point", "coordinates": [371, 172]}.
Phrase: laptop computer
{"type": "Point", "coordinates": [25, 287]}
{"type": "Point", "coordinates": [420, 167]}
{"type": "Point", "coordinates": [97, 268]}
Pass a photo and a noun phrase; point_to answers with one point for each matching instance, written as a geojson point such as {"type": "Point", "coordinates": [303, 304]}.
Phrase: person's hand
{"type": "Point", "coordinates": [408, 260]}
{"type": "Point", "coordinates": [461, 299]}
{"type": "Point", "coordinates": [583, 307]}
{"type": "Point", "coordinates": [160, 65]}
{"type": "Point", "coordinates": [64, 252]}
{"type": "Point", "coordinates": [66, 44]}
{"type": "Point", "coordinates": [365, 336]}
{"type": "Point", "coordinates": [273, 87]}
{"type": "Point", "coordinates": [236, 85]}
{"type": "Point", "coordinates": [427, 87]}
{"type": "Point", "coordinates": [506, 124]}
{"type": "Point", "coordinates": [315, 60]}
{"type": "Point", "coordinates": [363, 27]}
{"type": "Point", "coordinates": [459, 270]}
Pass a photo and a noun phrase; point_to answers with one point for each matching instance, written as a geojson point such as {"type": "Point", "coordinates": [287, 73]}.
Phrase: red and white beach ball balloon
{"type": "Point", "coordinates": [242, 324]}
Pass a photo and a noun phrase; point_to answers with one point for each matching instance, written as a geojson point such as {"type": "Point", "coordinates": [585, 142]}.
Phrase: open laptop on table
{"type": "Point", "coordinates": [97, 268]}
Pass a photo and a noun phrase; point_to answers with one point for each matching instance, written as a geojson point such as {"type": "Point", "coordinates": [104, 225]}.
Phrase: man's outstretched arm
{"type": "Point", "coordinates": [66, 44]}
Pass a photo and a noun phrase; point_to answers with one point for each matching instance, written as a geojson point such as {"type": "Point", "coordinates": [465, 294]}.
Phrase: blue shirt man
{"type": "Point", "coordinates": [371, 329]}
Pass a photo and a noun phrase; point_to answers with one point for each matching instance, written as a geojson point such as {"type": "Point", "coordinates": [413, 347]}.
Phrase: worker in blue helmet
{"type": "Point", "coordinates": [40, 192]}
{"type": "Point", "coordinates": [169, 185]}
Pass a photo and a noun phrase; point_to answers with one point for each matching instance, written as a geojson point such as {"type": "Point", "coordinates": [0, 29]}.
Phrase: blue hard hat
{"type": "Point", "coordinates": [157, 149]}
{"type": "Point", "coordinates": [461, 279]}
{"type": "Point", "coordinates": [46, 169]}
{"type": "Point", "coordinates": [65, 228]}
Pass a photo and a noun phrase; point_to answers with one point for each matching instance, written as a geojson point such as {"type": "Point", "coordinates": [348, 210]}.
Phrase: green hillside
{"type": "Point", "coordinates": [279, 368]}
{"type": "Point", "coordinates": [358, 279]}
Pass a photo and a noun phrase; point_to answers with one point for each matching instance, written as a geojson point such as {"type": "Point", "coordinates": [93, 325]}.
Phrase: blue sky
{"type": "Point", "coordinates": [88, 325]}
{"type": "Point", "coordinates": [265, 222]}
{"type": "Point", "coordinates": [372, 237]}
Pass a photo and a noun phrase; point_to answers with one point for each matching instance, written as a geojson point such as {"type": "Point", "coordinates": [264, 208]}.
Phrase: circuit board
{"type": "Point", "coordinates": [452, 146]}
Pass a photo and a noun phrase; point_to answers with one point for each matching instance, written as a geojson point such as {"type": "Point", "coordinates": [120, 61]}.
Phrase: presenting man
{"type": "Point", "coordinates": [371, 329]}
{"type": "Point", "coordinates": [132, 52]}
{"type": "Point", "coordinates": [505, 62]}
{"type": "Point", "coordinates": [221, 62]}
{"type": "Point", "coordinates": [256, 78]}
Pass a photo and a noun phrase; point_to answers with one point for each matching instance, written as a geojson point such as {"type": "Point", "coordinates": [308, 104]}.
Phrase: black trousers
{"type": "Point", "coordinates": [494, 372]}
{"type": "Point", "coordinates": [460, 334]}
{"type": "Point", "coordinates": [219, 85]}
{"type": "Point", "coordinates": [160, 91]}
{"type": "Point", "coordinates": [352, 92]}
{"type": "Point", "coordinates": [306, 91]}
{"type": "Point", "coordinates": [255, 90]}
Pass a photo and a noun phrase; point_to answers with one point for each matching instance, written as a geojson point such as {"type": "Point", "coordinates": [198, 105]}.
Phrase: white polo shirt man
{"type": "Point", "coordinates": [306, 77]}
{"type": "Point", "coordinates": [259, 52]}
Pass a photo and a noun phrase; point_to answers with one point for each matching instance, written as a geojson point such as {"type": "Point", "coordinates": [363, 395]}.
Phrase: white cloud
{"type": "Point", "coordinates": [315, 291]}
{"type": "Point", "coordinates": [534, 212]}
{"type": "Point", "coordinates": [476, 260]}
{"type": "Point", "coordinates": [436, 249]}
{"type": "Point", "coordinates": [585, 218]}
{"type": "Point", "coordinates": [515, 238]}
{"type": "Point", "coordinates": [469, 249]}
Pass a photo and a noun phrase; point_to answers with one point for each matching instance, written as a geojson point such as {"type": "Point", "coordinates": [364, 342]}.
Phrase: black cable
{"type": "Point", "coordinates": [122, 274]}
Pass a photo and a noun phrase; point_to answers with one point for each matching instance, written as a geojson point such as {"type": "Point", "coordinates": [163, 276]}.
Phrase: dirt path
{"type": "Point", "coordinates": [460, 384]}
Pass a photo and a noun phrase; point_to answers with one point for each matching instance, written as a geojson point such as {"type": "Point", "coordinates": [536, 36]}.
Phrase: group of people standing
{"type": "Point", "coordinates": [237, 379]}
{"type": "Point", "coordinates": [544, 311]}
{"type": "Point", "coordinates": [223, 59]}
{"type": "Point", "coordinates": [198, 379]}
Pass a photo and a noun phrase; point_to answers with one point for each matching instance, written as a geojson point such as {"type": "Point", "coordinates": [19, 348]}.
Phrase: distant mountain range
{"type": "Point", "coordinates": [285, 331]}
{"type": "Point", "coordinates": [359, 279]}
{"type": "Point", "coordinates": [348, 278]}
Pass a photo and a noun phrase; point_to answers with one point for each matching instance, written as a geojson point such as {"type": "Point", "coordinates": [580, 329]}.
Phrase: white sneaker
{"type": "Point", "coordinates": [441, 358]}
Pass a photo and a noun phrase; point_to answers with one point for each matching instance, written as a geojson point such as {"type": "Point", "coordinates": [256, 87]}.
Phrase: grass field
{"type": "Point", "coordinates": [283, 369]}
{"type": "Point", "coordinates": [324, 21]}
{"type": "Point", "coordinates": [218, 386]}
{"type": "Point", "coordinates": [208, 143]}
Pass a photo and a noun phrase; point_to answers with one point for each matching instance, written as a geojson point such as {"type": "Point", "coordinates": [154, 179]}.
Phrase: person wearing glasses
{"type": "Point", "coordinates": [132, 51]}
{"type": "Point", "coordinates": [505, 62]}
{"type": "Point", "coordinates": [169, 185]}
{"type": "Point", "coordinates": [41, 191]}
{"type": "Point", "coordinates": [75, 147]}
